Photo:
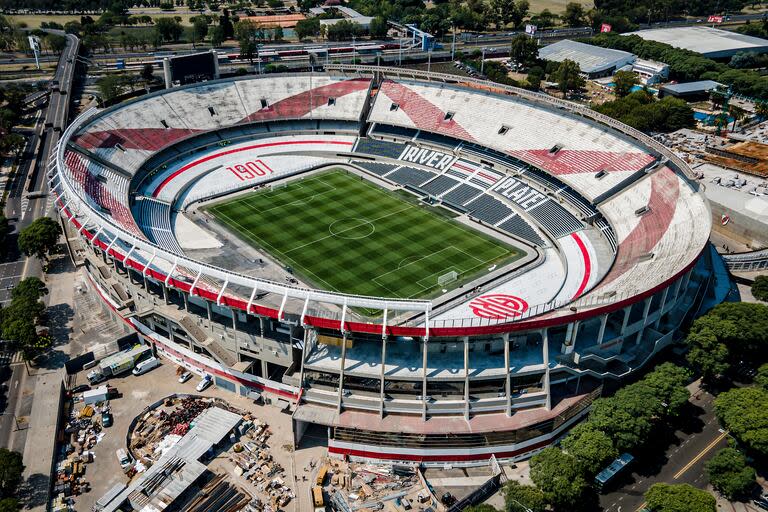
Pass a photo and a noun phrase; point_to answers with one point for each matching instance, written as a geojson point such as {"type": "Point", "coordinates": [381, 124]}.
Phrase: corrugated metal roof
{"type": "Point", "coordinates": [591, 59]}
{"type": "Point", "coordinates": [689, 87]}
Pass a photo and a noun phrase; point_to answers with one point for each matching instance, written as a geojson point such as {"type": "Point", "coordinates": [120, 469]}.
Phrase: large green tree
{"type": "Point", "coordinates": [560, 478]}
{"type": "Point", "coordinates": [39, 238]}
{"type": "Point", "coordinates": [760, 288]}
{"type": "Point", "coordinates": [568, 77]}
{"type": "Point", "coordinates": [679, 498]}
{"type": "Point", "coordinates": [729, 473]}
{"type": "Point", "coordinates": [9, 505]}
{"type": "Point", "coordinates": [621, 422]}
{"type": "Point", "coordinates": [668, 381]}
{"type": "Point", "coordinates": [624, 82]}
{"type": "Point", "coordinates": [730, 332]}
{"type": "Point", "coordinates": [574, 14]}
{"type": "Point", "coordinates": [591, 447]}
{"type": "Point", "coordinates": [11, 468]}
{"type": "Point", "coordinates": [523, 498]}
{"type": "Point", "coordinates": [169, 29]}
{"type": "Point", "coordinates": [761, 377]}
{"type": "Point", "coordinates": [523, 50]}
{"type": "Point", "coordinates": [309, 27]}
{"type": "Point", "coordinates": [743, 412]}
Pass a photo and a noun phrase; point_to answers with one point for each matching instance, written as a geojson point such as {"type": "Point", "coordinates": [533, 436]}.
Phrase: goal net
{"type": "Point", "coordinates": [448, 277]}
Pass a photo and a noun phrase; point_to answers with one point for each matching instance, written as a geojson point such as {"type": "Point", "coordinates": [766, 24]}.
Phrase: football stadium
{"type": "Point", "coordinates": [417, 266]}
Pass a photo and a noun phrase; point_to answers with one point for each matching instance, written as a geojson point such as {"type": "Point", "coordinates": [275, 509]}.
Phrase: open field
{"type": "Point", "coordinates": [343, 233]}
{"type": "Point", "coordinates": [34, 20]}
{"type": "Point", "coordinates": [557, 6]}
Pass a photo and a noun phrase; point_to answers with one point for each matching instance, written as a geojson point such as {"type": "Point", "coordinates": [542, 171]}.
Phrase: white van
{"type": "Point", "coordinates": [124, 458]}
{"type": "Point", "coordinates": [146, 365]}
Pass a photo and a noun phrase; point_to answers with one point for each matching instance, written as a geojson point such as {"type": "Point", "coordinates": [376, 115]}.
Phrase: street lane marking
{"type": "Point", "coordinates": [698, 457]}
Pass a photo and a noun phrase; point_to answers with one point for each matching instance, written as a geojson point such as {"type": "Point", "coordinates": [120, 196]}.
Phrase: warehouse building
{"type": "Point", "coordinates": [710, 42]}
{"type": "Point", "coordinates": [689, 91]}
{"type": "Point", "coordinates": [594, 61]}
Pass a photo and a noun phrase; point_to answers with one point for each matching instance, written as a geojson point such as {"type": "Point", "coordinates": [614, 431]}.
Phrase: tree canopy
{"type": "Point", "coordinates": [559, 477]}
{"type": "Point", "coordinates": [729, 333]}
{"type": "Point", "coordinates": [760, 288]}
{"type": "Point", "coordinates": [729, 473]}
{"type": "Point", "coordinates": [39, 238]}
{"type": "Point", "coordinates": [568, 77]}
{"type": "Point", "coordinates": [641, 110]}
{"type": "Point", "coordinates": [518, 498]}
{"type": "Point", "coordinates": [591, 447]}
{"type": "Point", "coordinates": [743, 412]}
{"type": "Point", "coordinates": [11, 469]}
{"type": "Point", "coordinates": [679, 498]}
{"type": "Point", "coordinates": [624, 81]}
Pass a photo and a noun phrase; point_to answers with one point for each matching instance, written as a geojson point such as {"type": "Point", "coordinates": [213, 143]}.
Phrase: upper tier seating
{"type": "Point", "coordinates": [572, 148]}
{"type": "Point", "coordinates": [129, 133]}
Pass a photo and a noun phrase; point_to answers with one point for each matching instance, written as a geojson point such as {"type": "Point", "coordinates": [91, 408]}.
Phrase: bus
{"type": "Point", "coordinates": [317, 497]}
{"type": "Point", "coordinates": [321, 475]}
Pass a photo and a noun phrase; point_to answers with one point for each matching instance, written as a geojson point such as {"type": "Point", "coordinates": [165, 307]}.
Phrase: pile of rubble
{"type": "Point", "coordinates": [368, 487]}
{"type": "Point", "coordinates": [173, 417]}
{"type": "Point", "coordinates": [82, 430]}
{"type": "Point", "coordinates": [253, 462]}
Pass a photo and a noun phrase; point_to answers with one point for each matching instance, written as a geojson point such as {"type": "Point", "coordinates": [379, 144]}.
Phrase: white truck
{"type": "Point", "coordinates": [117, 364]}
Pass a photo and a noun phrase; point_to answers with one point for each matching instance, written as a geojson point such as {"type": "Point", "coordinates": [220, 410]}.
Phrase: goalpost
{"type": "Point", "coordinates": [448, 277]}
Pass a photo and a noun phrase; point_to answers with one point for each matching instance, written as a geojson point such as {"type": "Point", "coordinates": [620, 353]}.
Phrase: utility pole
{"type": "Point", "coordinates": [353, 50]}
{"type": "Point", "coordinates": [482, 62]}
{"type": "Point", "coordinates": [429, 60]}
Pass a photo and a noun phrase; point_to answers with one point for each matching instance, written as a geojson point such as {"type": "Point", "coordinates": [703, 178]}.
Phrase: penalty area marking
{"type": "Point", "coordinates": [339, 233]}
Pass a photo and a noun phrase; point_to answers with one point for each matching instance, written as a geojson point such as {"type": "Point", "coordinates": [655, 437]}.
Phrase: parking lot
{"type": "Point", "coordinates": [136, 393]}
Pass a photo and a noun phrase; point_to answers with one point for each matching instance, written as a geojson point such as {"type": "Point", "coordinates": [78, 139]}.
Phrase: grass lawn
{"type": "Point", "coordinates": [34, 20]}
{"type": "Point", "coordinates": [342, 233]}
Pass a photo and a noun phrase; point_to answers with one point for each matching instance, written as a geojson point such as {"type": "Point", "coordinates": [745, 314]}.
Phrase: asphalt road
{"type": "Point", "coordinates": [678, 459]}
{"type": "Point", "coordinates": [22, 211]}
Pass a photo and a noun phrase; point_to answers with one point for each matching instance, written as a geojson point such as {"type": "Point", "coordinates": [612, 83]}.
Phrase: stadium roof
{"type": "Point", "coordinates": [591, 59]}
{"type": "Point", "coordinates": [708, 41]}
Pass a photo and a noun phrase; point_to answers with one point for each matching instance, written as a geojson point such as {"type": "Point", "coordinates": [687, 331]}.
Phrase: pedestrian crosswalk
{"type": "Point", "coordinates": [10, 357]}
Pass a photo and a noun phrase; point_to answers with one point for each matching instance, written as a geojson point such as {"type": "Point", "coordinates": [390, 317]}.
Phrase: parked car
{"type": "Point", "coordinates": [204, 383]}
{"type": "Point", "coordinates": [185, 377]}
{"type": "Point", "coordinates": [80, 388]}
{"type": "Point", "coordinates": [107, 420]}
{"type": "Point", "coordinates": [146, 365]}
{"type": "Point", "coordinates": [124, 459]}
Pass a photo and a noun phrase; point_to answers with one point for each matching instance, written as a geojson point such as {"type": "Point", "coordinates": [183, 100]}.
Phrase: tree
{"type": "Point", "coordinates": [620, 422]}
{"type": "Point", "coordinates": [56, 43]}
{"type": "Point", "coordinates": [169, 29]}
{"type": "Point", "coordinates": [559, 477]}
{"type": "Point", "coordinates": [9, 505]}
{"type": "Point", "coordinates": [729, 473]}
{"type": "Point", "coordinates": [11, 469]}
{"type": "Point", "coordinates": [523, 50]}
{"type": "Point", "coordinates": [111, 86]}
{"type": "Point", "coordinates": [761, 377]}
{"type": "Point", "coordinates": [309, 27]}
{"type": "Point", "coordinates": [574, 14]}
{"type": "Point", "coordinates": [568, 77]}
{"type": "Point", "coordinates": [199, 29]}
{"type": "Point", "coordinates": [246, 35]}
{"type": "Point", "coordinates": [679, 498]}
{"type": "Point", "coordinates": [760, 288]}
{"type": "Point", "coordinates": [668, 381]}
{"type": "Point", "coordinates": [509, 11]}
{"type": "Point", "coordinates": [522, 498]}
{"type": "Point", "coordinates": [216, 34]}
{"type": "Point", "coordinates": [624, 82]}
{"type": "Point", "coordinates": [30, 289]}
{"type": "Point", "coordinates": [591, 447]}
{"type": "Point", "coordinates": [8, 34]}
{"type": "Point", "coordinates": [730, 332]}
{"type": "Point", "coordinates": [742, 411]}
{"type": "Point", "coordinates": [477, 508]}
{"type": "Point", "coordinates": [39, 238]}
{"type": "Point", "coordinates": [378, 28]}
{"type": "Point", "coordinates": [13, 144]}
{"type": "Point", "coordinates": [147, 72]}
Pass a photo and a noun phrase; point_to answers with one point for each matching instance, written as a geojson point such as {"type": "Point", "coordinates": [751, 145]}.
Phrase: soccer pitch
{"type": "Point", "coordinates": [343, 233]}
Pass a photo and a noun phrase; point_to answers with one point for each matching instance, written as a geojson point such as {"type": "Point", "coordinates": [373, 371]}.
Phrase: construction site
{"type": "Point", "coordinates": [199, 454]}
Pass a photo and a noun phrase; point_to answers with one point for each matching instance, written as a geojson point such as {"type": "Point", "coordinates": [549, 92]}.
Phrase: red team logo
{"type": "Point", "coordinates": [498, 306]}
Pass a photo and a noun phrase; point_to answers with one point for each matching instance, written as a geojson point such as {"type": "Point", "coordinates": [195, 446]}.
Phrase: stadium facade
{"type": "Point", "coordinates": [613, 226]}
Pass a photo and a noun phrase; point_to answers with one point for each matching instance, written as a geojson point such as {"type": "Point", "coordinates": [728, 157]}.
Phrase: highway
{"type": "Point", "coordinates": [22, 211]}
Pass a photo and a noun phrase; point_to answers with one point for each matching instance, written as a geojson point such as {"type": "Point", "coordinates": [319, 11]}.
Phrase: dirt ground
{"type": "Point", "coordinates": [138, 392]}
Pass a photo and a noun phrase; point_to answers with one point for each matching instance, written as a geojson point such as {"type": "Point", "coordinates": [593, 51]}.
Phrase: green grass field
{"type": "Point", "coordinates": [342, 233]}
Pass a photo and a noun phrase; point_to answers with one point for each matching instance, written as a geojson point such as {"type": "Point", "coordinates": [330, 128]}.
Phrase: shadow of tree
{"type": "Point", "coordinates": [35, 490]}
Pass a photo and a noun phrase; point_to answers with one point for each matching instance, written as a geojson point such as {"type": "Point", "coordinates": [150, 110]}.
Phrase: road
{"type": "Point", "coordinates": [682, 462]}
{"type": "Point", "coordinates": [21, 210]}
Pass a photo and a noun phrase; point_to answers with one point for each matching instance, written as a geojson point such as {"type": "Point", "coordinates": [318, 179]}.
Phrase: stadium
{"type": "Point", "coordinates": [424, 267]}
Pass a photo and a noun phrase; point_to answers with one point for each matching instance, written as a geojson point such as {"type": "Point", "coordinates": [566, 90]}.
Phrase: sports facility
{"type": "Point", "coordinates": [420, 267]}
{"type": "Point", "coordinates": [348, 235]}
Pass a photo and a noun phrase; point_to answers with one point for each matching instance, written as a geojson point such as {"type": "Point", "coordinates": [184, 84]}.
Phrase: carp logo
{"type": "Point", "coordinates": [498, 306]}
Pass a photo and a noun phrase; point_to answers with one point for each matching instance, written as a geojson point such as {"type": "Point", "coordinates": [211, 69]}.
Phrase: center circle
{"type": "Point", "coordinates": [351, 228]}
